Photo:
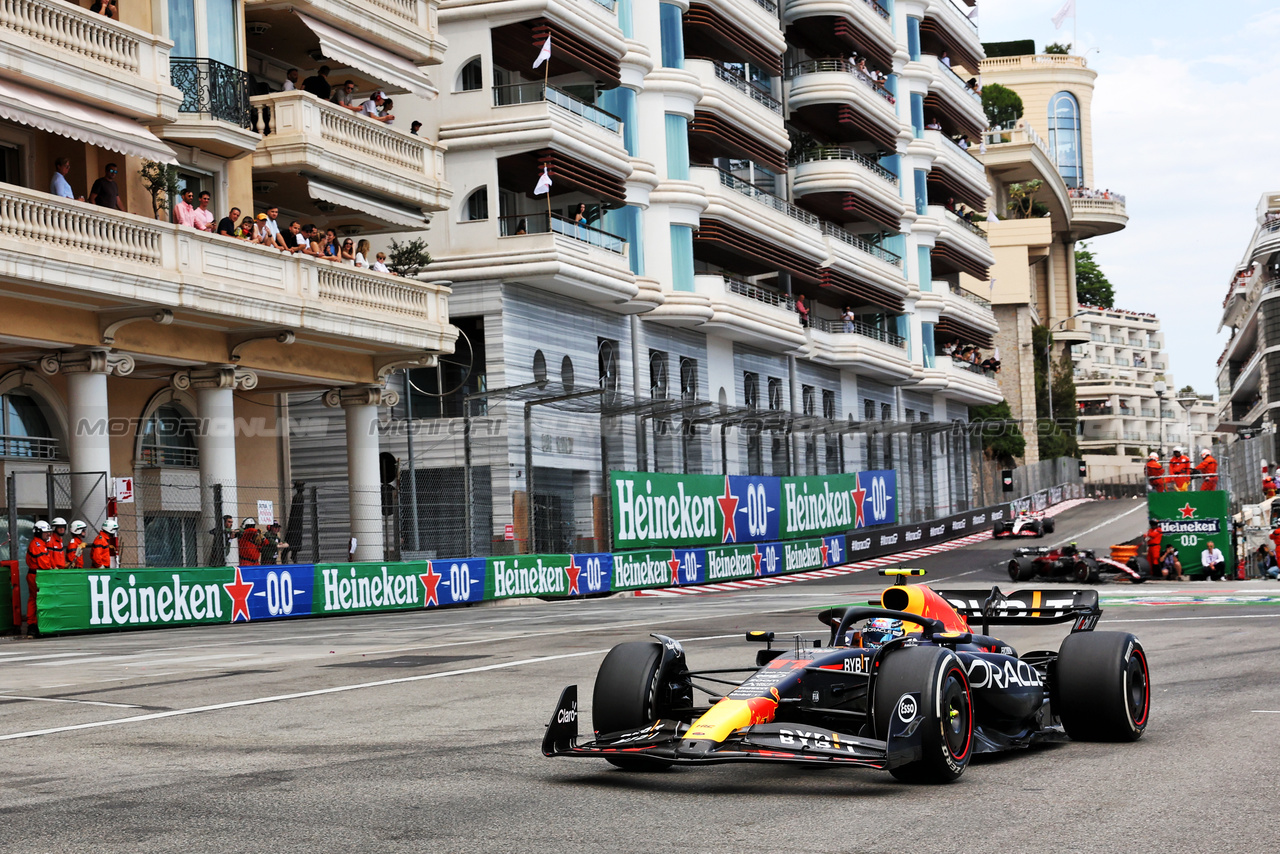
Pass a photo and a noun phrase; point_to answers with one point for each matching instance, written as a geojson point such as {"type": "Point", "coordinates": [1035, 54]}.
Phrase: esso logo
{"type": "Point", "coordinates": [907, 709]}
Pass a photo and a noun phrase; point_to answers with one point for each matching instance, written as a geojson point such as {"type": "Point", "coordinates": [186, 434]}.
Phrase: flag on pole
{"type": "Point", "coordinates": [973, 14]}
{"type": "Point", "coordinates": [544, 183]}
{"type": "Point", "coordinates": [545, 53]}
{"type": "Point", "coordinates": [1068, 10]}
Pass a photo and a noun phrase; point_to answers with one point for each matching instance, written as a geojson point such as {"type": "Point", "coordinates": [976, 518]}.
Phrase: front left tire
{"type": "Point", "coordinates": [946, 702]}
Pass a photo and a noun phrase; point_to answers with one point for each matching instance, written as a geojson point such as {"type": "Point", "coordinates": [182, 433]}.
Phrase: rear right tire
{"type": "Point", "coordinates": [1102, 687]}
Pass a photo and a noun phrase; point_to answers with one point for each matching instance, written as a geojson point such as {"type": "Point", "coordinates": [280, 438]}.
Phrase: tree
{"type": "Point", "coordinates": [1092, 286]}
{"type": "Point", "coordinates": [1186, 390]}
{"type": "Point", "coordinates": [1057, 429]}
{"type": "Point", "coordinates": [1002, 438]}
{"type": "Point", "coordinates": [1022, 198]}
{"type": "Point", "coordinates": [407, 259]}
{"type": "Point", "coordinates": [161, 181]}
{"type": "Point", "coordinates": [1057, 49]}
{"type": "Point", "coordinates": [1002, 105]}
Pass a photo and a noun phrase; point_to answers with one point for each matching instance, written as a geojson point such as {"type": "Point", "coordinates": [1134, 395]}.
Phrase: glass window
{"type": "Point", "coordinates": [925, 261]}
{"type": "Point", "coordinates": [621, 101]}
{"type": "Point", "coordinates": [688, 378]}
{"type": "Point", "coordinates": [658, 380]}
{"type": "Point", "coordinates": [1065, 139]}
{"type": "Point", "coordinates": [223, 23]}
{"type": "Point", "coordinates": [886, 412]}
{"type": "Point", "coordinates": [169, 438]}
{"type": "Point", "coordinates": [913, 38]}
{"type": "Point", "coordinates": [626, 223]}
{"type": "Point", "coordinates": [24, 432]}
{"type": "Point", "coordinates": [917, 114]}
{"type": "Point", "coordinates": [471, 77]}
{"type": "Point", "coordinates": [922, 192]}
{"type": "Point", "coordinates": [926, 345]}
{"type": "Point", "coordinates": [625, 21]}
{"type": "Point", "coordinates": [182, 27]}
{"type": "Point", "coordinates": [607, 365]}
{"type": "Point", "coordinates": [677, 147]}
{"type": "Point", "coordinates": [828, 404]}
{"type": "Point", "coordinates": [868, 409]}
{"type": "Point", "coordinates": [681, 258]}
{"type": "Point", "coordinates": [775, 394]}
{"type": "Point", "coordinates": [672, 35]}
{"type": "Point", "coordinates": [478, 204]}
{"type": "Point", "coordinates": [808, 398]}
{"type": "Point", "coordinates": [750, 390]}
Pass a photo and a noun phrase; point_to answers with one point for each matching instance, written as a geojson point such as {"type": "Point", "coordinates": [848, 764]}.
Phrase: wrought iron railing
{"type": "Point", "coordinates": [162, 456]}
{"type": "Point", "coordinates": [835, 152]}
{"type": "Point", "coordinates": [733, 182]}
{"type": "Point", "coordinates": [212, 88]}
{"type": "Point", "coordinates": [29, 447]}
{"type": "Point", "coordinates": [972, 297]}
{"type": "Point", "coordinates": [818, 66]}
{"type": "Point", "coordinates": [759, 294]}
{"type": "Point", "coordinates": [845, 236]}
{"type": "Point", "coordinates": [965, 224]}
{"type": "Point", "coordinates": [544, 223]}
{"type": "Point", "coordinates": [532, 93]}
{"type": "Point", "coordinates": [749, 89]}
{"type": "Point", "coordinates": [857, 327]}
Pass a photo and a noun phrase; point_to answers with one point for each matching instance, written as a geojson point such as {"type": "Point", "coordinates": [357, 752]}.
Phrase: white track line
{"type": "Point", "coordinates": [61, 700]}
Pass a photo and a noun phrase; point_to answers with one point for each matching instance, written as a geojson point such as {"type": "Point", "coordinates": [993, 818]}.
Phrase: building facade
{"type": "Point", "coordinates": [1248, 390]}
{"type": "Point", "coordinates": [711, 165]}
{"type": "Point", "coordinates": [132, 346]}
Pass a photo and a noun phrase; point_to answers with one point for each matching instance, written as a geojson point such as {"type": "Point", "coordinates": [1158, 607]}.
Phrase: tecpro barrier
{"type": "Point", "coordinates": [110, 600]}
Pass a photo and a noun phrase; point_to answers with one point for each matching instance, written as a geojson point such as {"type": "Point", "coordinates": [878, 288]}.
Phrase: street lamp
{"type": "Point", "coordinates": [1159, 388]}
{"type": "Point", "coordinates": [1188, 401]}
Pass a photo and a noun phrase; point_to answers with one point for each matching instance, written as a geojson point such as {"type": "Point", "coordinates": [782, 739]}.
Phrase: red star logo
{"type": "Point", "coordinates": [825, 549]}
{"type": "Point", "coordinates": [755, 556]}
{"type": "Point", "coordinates": [239, 593]}
{"type": "Point", "coordinates": [859, 495]}
{"type": "Point", "coordinates": [674, 563]}
{"type": "Point", "coordinates": [729, 509]}
{"type": "Point", "coordinates": [1187, 510]}
{"type": "Point", "coordinates": [431, 580]}
{"type": "Point", "coordinates": [572, 571]}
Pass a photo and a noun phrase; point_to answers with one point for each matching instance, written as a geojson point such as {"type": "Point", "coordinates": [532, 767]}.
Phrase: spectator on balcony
{"type": "Point", "coordinates": [246, 230]}
{"type": "Point", "coordinates": [948, 348]}
{"type": "Point", "coordinates": [849, 318]}
{"type": "Point", "coordinates": [362, 254]}
{"type": "Point", "coordinates": [106, 8]}
{"type": "Point", "coordinates": [227, 225]}
{"type": "Point", "coordinates": [58, 184]}
{"type": "Point", "coordinates": [290, 80]}
{"type": "Point", "coordinates": [202, 215]}
{"type": "Point", "coordinates": [297, 240]}
{"type": "Point", "coordinates": [105, 192]}
{"type": "Point", "coordinates": [415, 127]}
{"type": "Point", "coordinates": [329, 248]}
{"type": "Point", "coordinates": [972, 85]}
{"type": "Point", "coordinates": [803, 310]}
{"type": "Point", "coordinates": [963, 142]}
{"type": "Point", "coordinates": [386, 111]}
{"type": "Point", "coordinates": [370, 107]}
{"type": "Point", "coordinates": [348, 250]}
{"type": "Point", "coordinates": [184, 211]}
{"type": "Point", "coordinates": [933, 124]}
{"type": "Point", "coordinates": [273, 237]}
{"type": "Point", "coordinates": [380, 265]}
{"type": "Point", "coordinates": [945, 59]}
{"type": "Point", "coordinates": [344, 95]}
{"type": "Point", "coordinates": [318, 84]}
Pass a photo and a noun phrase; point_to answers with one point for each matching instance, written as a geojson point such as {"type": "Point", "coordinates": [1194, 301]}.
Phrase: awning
{"type": "Point", "coordinates": [395, 72]}
{"type": "Point", "coordinates": [388, 212]}
{"type": "Point", "coordinates": [64, 117]}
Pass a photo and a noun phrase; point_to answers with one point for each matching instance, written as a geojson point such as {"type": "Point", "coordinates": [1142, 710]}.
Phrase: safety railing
{"type": "Point", "coordinates": [544, 223]}
{"type": "Point", "coordinates": [835, 152]}
{"type": "Point", "coordinates": [748, 88]}
{"type": "Point", "coordinates": [69, 27]}
{"type": "Point", "coordinates": [159, 456]}
{"type": "Point", "coordinates": [972, 297]}
{"type": "Point", "coordinates": [28, 447]}
{"type": "Point", "coordinates": [759, 294]}
{"type": "Point", "coordinates": [858, 327]}
{"type": "Point", "coordinates": [532, 93]}
{"type": "Point", "coordinates": [733, 182]}
{"type": "Point", "coordinates": [212, 88]}
{"type": "Point", "coordinates": [965, 224]}
{"type": "Point", "coordinates": [845, 236]}
{"type": "Point", "coordinates": [821, 66]}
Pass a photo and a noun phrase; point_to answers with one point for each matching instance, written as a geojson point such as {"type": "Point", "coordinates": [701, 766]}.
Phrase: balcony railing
{"type": "Point", "coordinates": [611, 5]}
{"type": "Point", "coordinates": [878, 8]}
{"type": "Point", "coordinates": [532, 93]}
{"type": "Point", "coordinates": [1021, 134]}
{"type": "Point", "coordinates": [965, 224]}
{"type": "Point", "coordinates": [972, 297]}
{"type": "Point", "coordinates": [748, 88]}
{"type": "Point", "coordinates": [955, 146]}
{"type": "Point", "coordinates": [159, 456]}
{"type": "Point", "coordinates": [971, 368]}
{"type": "Point", "coordinates": [768, 5]}
{"type": "Point", "coordinates": [845, 236]}
{"type": "Point", "coordinates": [1090, 194]}
{"type": "Point", "coordinates": [820, 66]}
{"type": "Point", "coordinates": [65, 26]}
{"type": "Point", "coordinates": [857, 327]}
{"type": "Point", "coordinates": [759, 294]}
{"type": "Point", "coordinates": [212, 88]}
{"type": "Point", "coordinates": [733, 182]}
{"type": "Point", "coordinates": [828, 152]}
{"type": "Point", "coordinates": [544, 223]}
{"type": "Point", "coordinates": [29, 447]}
{"type": "Point", "coordinates": [965, 15]}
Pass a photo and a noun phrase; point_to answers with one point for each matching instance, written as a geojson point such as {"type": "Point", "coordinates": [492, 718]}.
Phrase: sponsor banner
{"type": "Point", "coordinates": [108, 599]}
{"type": "Point", "coordinates": [799, 555]}
{"type": "Point", "coordinates": [347, 588]}
{"type": "Point", "coordinates": [1189, 521]}
{"type": "Point", "coordinates": [656, 568]}
{"type": "Point", "coordinates": [595, 573]}
{"type": "Point", "coordinates": [692, 567]}
{"type": "Point", "coordinates": [527, 575]}
{"type": "Point", "coordinates": [278, 591]}
{"type": "Point", "coordinates": [676, 510]}
{"type": "Point", "coordinates": [878, 542]}
{"type": "Point", "coordinates": [729, 563]}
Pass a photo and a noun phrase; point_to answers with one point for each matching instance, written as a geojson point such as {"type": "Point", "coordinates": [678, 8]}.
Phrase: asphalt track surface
{"type": "Point", "coordinates": [420, 732]}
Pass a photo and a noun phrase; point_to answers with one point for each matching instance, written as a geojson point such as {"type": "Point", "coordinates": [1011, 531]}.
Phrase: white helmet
{"type": "Point", "coordinates": [250, 523]}
{"type": "Point", "coordinates": [1177, 450]}
{"type": "Point", "coordinates": [1205, 452]}
{"type": "Point", "coordinates": [77, 527]}
{"type": "Point", "coordinates": [1154, 455]}
{"type": "Point", "coordinates": [58, 522]}
{"type": "Point", "coordinates": [42, 527]}
{"type": "Point", "coordinates": [111, 526]}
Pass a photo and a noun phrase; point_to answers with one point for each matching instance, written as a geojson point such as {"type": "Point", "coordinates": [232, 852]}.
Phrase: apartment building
{"type": "Point", "coordinates": [1033, 281]}
{"type": "Point", "coordinates": [711, 163]}
{"type": "Point", "coordinates": [1126, 396]}
{"type": "Point", "coordinates": [133, 347]}
{"type": "Point", "coordinates": [1248, 397]}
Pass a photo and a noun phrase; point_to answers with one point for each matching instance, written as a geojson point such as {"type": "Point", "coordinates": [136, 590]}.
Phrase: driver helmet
{"type": "Point", "coordinates": [881, 630]}
{"type": "Point", "coordinates": [1070, 549]}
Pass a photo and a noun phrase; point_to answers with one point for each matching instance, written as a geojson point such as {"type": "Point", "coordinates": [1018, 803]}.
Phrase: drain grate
{"type": "Point", "coordinates": [407, 661]}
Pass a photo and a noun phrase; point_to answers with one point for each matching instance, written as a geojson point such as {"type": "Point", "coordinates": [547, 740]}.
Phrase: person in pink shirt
{"type": "Point", "coordinates": [183, 212]}
{"type": "Point", "coordinates": [202, 216]}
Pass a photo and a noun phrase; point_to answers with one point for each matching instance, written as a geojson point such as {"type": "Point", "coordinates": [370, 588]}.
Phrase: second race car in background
{"type": "Point", "coordinates": [1068, 563]}
{"type": "Point", "coordinates": [1028, 524]}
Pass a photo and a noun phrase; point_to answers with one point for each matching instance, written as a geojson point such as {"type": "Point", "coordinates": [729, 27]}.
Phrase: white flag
{"type": "Point", "coordinates": [545, 53]}
{"type": "Point", "coordinates": [544, 183]}
{"type": "Point", "coordinates": [973, 14]}
{"type": "Point", "coordinates": [1068, 10]}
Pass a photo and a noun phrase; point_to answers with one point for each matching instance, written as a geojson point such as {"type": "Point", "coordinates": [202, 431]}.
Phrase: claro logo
{"type": "Point", "coordinates": [569, 715]}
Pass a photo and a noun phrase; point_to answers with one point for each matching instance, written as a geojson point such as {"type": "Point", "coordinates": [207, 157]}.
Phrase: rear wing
{"type": "Point", "coordinates": [1026, 607]}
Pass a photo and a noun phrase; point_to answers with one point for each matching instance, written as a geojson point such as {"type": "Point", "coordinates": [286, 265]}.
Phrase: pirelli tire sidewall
{"type": "Point", "coordinates": [940, 677]}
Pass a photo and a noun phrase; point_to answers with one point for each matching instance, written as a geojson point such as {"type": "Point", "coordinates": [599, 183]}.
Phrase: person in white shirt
{"type": "Point", "coordinates": [58, 185]}
{"type": "Point", "coordinates": [291, 80]}
{"type": "Point", "coordinates": [381, 264]}
{"type": "Point", "coordinates": [1215, 565]}
{"type": "Point", "coordinates": [370, 107]}
{"type": "Point", "coordinates": [362, 253]}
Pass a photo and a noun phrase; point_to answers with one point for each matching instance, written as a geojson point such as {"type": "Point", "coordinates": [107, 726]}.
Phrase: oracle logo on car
{"type": "Point", "coordinates": [907, 708]}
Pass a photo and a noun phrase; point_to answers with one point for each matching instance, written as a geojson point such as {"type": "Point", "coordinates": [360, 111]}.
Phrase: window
{"type": "Point", "coordinates": [913, 38]}
{"type": "Point", "coordinates": [477, 205]}
{"type": "Point", "coordinates": [677, 147]}
{"type": "Point", "coordinates": [910, 414]}
{"type": "Point", "coordinates": [886, 412]}
{"type": "Point", "coordinates": [438, 392]}
{"type": "Point", "coordinates": [1065, 138]}
{"type": "Point", "coordinates": [868, 410]}
{"type": "Point", "coordinates": [751, 390]}
{"type": "Point", "coordinates": [205, 28]}
{"type": "Point", "coordinates": [927, 345]}
{"type": "Point", "coordinates": [672, 31]}
{"type": "Point", "coordinates": [917, 114]}
{"type": "Point", "coordinates": [169, 438]}
{"type": "Point", "coordinates": [922, 192]}
{"type": "Point", "coordinates": [607, 364]}
{"type": "Point", "coordinates": [924, 259]}
{"type": "Point", "coordinates": [829, 404]}
{"type": "Point", "coordinates": [24, 431]}
{"type": "Point", "coordinates": [625, 222]}
{"type": "Point", "coordinates": [621, 101]}
{"type": "Point", "coordinates": [182, 27]}
{"type": "Point", "coordinates": [658, 386]}
{"type": "Point", "coordinates": [681, 258]}
{"type": "Point", "coordinates": [471, 77]}
{"type": "Point", "coordinates": [688, 378]}
{"type": "Point", "coordinates": [224, 24]}
{"type": "Point", "coordinates": [775, 394]}
{"type": "Point", "coordinates": [808, 399]}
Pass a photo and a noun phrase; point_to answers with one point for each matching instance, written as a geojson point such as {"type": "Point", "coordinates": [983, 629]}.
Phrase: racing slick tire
{"type": "Point", "coordinates": [1019, 571]}
{"type": "Point", "coordinates": [1001, 529]}
{"type": "Point", "coordinates": [946, 703]}
{"type": "Point", "coordinates": [1102, 687]}
{"type": "Point", "coordinates": [626, 697]}
{"type": "Point", "coordinates": [1083, 573]}
{"type": "Point", "coordinates": [1039, 529]}
{"type": "Point", "coordinates": [1049, 526]}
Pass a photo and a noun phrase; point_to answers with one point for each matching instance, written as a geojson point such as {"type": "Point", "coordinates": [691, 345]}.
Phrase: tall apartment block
{"type": "Point", "coordinates": [135, 347]}
{"type": "Point", "coordinates": [711, 163]}
{"type": "Point", "coordinates": [1249, 367]}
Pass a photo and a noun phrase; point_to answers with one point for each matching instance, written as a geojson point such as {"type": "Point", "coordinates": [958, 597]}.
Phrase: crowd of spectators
{"type": "Point", "coordinates": [971, 354]}
{"type": "Point", "coordinates": [376, 106]}
{"type": "Point", "coordinates": [1090, 193]}
{"type": "Point", "coordinates": [867, 74]}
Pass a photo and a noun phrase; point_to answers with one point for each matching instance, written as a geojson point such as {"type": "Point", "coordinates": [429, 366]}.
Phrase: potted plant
{"type": "Point", "coordinates": [161, 181]}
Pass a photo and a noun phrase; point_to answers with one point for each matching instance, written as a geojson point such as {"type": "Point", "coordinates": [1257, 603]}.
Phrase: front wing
{"type": "Point", "coordinates": [663, 741]}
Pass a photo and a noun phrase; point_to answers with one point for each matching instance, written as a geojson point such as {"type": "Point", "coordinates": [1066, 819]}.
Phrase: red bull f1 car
{"type": "Point", "coordinates": [1026, 524]}
{"type": "Point", "coordinates": [906, 685]}
{"type": "Point", "coordinates": [1068, 563]}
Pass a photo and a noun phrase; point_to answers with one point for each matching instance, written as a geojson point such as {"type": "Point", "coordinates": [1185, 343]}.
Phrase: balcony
{"type": "Point", "coordinates": [865, 23]}
{"type": "Point", "coordinates": [214, 115]}
{"type": "Point", "coordinates": [404, 27]}
{"type": "Point", "coordinates": [969, 309]}
{"type": "Point", "coordinates": [960, 245]}
{"type": "Point", "coordinates": [949, 21]}
{"type": "Point", "coordinates": [751, 314]}
{"type": "Point", "coordinates": [106, 259]}
{"type": "Point", "coordinates": [967, 382]}
{"type": "Point", "coordinates": [863, 110]}
{"type": "Point", "coordinates": [359, 162]}
{"type": "Point", "coordinates": [739, 101]}
{"type": "Point", "coordinates": [949, 95]}
{"type": "Point", "coordinates": [88, 58]}
{"type": "Point", "coordinates": [851, 184]}
{"type": "Point", "coordinates": [865, 262]}
{"type": "Point", "coordinates": [760, 214]}
{"type": "Point", "coordinates": [858, 346]}
{"type": "Point", "coordinates": [1097, 215]}
{"type": "Point", "coordinates": [28, 448]}
{"type": "Point", "coordinates": [959, 170]}
{"type": "Point", "coordinates": [547, 252]}
{"type": "Point", "coordinates": [161, 456]}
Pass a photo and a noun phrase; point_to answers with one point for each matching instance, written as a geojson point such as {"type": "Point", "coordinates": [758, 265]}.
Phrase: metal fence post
{"type": "Point", "coordinates": [315, 526]}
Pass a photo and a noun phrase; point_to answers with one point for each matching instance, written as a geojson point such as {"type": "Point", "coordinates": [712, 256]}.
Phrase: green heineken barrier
{"type": "Point", "coordinates": [1189, 521]}
{"type": "Point", "coordinates": [74, 600]}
